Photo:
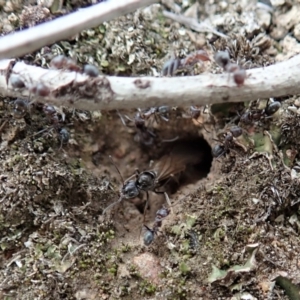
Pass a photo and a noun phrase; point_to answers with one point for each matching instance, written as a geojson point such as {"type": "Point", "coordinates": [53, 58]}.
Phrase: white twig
{"type": "Point", "coordinates": [111, 92]}
{"type": "Point", "coordinates": [26, 41]}
{"type": "Point", "coordinates": [193, 23]}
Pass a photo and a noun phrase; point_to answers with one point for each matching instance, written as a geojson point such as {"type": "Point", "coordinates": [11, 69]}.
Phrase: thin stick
{"type": "Point", "coordinates": [193, 23]}
{"type": "Point", "coordinates": [29, 40]}
{"type": "Point", "coordinates": [111, 92]}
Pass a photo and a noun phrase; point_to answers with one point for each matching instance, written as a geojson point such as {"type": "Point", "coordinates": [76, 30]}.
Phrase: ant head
{"type": "Point", "coordinates": [90, 70]}
{"type": "Point", "coordinates": [16, 81]}
{"type": "Point", "coordinates": [130, 190]}
{"type": "Point", "coordinates": [163, 212]}
{"type": "Point", "coordinates": [163, 109]}
{"type": "Point", "coordinates": [195, 112]}
{"type": "Point", "coordinates": [222, 58]}
{"type": "Point", "coordinates": [49, 109]}
{"type": "Point", "coordinates": [148, 236]}
{"type": "Point", "coordinates": [20, 108]}
{"type": "Point", "coordinates": [272, 108]}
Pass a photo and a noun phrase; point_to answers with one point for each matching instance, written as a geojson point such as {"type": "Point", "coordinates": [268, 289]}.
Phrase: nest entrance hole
{"type": "Point", "coordinates": [191, 175]}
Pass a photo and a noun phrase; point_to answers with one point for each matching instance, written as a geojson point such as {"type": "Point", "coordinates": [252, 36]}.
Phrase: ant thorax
{"type": "Point", "coordinates": [146, 180]}
{"type": "Point", "coordinates": [130, 190]}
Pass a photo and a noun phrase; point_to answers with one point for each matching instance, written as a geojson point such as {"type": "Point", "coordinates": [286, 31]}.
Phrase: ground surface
{"type": "Point", "coordinates": [234, 225]}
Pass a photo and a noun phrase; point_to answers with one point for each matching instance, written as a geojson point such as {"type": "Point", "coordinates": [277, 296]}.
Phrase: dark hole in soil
{"type": "Point", "coordinates": [193, 172]}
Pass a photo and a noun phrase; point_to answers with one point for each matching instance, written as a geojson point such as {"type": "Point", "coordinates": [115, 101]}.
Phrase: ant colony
{"type": "Point", "coordinates": [145, 123]}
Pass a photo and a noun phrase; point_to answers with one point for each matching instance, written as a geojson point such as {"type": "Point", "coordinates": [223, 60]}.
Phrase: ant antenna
{"type": "Point", "coordinates": [111, 205]}
{"type": "Point", "coordinates": [122, 179]}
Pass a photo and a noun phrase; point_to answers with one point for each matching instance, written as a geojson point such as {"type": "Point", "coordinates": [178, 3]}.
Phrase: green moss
{"type": "Point", "coordinates": [146, 288]}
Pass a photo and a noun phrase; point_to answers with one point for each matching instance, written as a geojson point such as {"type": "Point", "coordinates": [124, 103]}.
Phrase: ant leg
{"type": "Point", "coordinates": [168, 201]}
{"type": "Point", "coordinates": [3, 125]}
{"type": "Point", "coordinates": [156, 118]}
{"type": "Point", "coordinates": [144, 214]}
{"type": "Point", "coordinates": [166, 197]}
{"type": "Point", "coordinates": [122, 119]}
{"type": "Point", "coordinates": [202, 126]}
{"type": "Point", "coordinates": [151, 132]}
{"type": "Point", "coordinates": [170, 140]}
{"type": "Point", "coordinates": [223, 153]}
{"type": "Point", "coordinates": [146, 206]}
{"type": "Point", "coordinates": [216, 140]}
{"type": "Point", "coordinates": [164, 118]}
{"type": "Point", "coordinates": [41, 131]}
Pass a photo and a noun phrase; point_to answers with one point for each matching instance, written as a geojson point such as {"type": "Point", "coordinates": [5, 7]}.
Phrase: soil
{"type": "Point", "coordinates": [232, 230]}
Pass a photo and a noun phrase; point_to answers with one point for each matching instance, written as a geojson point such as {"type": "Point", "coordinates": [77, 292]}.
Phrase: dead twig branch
{"type": "Point", "coordinates": [26, 41]}
{"type": "Point", "coordinates": [111, 92]}
{"type": "Point", "coordinates": [193, 23]}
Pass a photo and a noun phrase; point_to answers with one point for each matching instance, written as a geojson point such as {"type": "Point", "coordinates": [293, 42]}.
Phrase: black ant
{"type": "Point", "coordinates": [228, 142]}
{"type": "Point", "coordinates": [194, 113]}
{"type": "Point", "coordinates": [161, 214]}
{"type": "Point", "coordinates": [144, 181]}
{"type": "Point", "coordinates": [172, 66]}
{"type": "Point", "coordinates": [38, 89]}
{"type": "Point", "coordinates": [64, 63]}
{"type": "Point", "coordinates": [146, 136]}
{"type": "Point", "coordinates": [20, 108]}
{"type": "Point", "coordinates": [16, 81]}
{"type": "Point", "coordinates": [53, 118]}
{"type": "Point", "coordinates": [150, 180]}
{"type": "Point", "coordinates": [223, 60]}
{"type": "Point", "coordinates": [257, 114]}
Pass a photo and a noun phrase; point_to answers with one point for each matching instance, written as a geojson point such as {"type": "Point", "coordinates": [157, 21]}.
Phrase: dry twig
{"type": "Point", "coordinates": [193, 24]}
{"type": "Point", "coordinates": [111, 92]}
{"type": "Point", "coordinates": [26, 41]}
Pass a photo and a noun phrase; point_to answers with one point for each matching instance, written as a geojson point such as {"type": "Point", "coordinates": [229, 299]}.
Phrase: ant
{"type": "Point", "coordinates": [146, 136]}
{"type": "Point", "coordinates": [194, 113]}
{"type": "Point", "coordinates": [256, 115]}
{"type": "Point", "coordinates": [161, 214]}
{"type": "Point", "coordinates": [62, 62]}
{"type": "Point", "coordinates": [228, 142]}
{"type": "Point", "coordinates": [20, 108]}
{"type": "Point", "coordinates": [63, 136]}
{"type": "Point", "coordinates": [223, 60]}
{"type": "Point", "coordinates": [16, 81]}
{"type": "Point", "coordinates": [162, 111]}
{"type": "Point", "coordinates": [38, 89]}
{"type": "Point", "coordinates": [163, 170]}
{"type": "Point", "coordinates": [144, 181]}
{"type": "Point", "coordinates": [172, 66]}
{"type": "Point", "coordinates": [53, 118]}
